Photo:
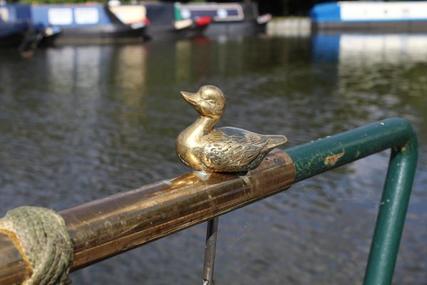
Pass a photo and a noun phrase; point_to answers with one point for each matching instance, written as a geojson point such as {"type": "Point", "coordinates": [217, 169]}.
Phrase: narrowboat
{"type": "Point", "coordinates": [228, 19]}
{"type": "Point", "coordinates": [165, 22]}
{"type": "Point", "coordinates": [370, 16]}
{"type": "Point", "coordinates": [11, 34]}
{"type": "Point", "coordinates": [86, 23]}
{"type": "Point", "coordinates": [13, 26]}
{"type": "Point", "coordinates": [17, 30]}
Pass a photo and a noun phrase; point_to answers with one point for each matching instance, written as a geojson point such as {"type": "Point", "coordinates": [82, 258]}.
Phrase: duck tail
{"type": "Point", "coordinates": [275, 141]}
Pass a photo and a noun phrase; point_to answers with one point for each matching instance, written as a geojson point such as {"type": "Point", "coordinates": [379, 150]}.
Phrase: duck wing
{"type": "Point", "coordinates": [247, 137]}
{"type": "Point", "coordinates": [231, 149]}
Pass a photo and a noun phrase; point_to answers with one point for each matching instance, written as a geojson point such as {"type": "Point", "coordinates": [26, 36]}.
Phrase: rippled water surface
{"type": "Point", "coordinates": [80, 123]}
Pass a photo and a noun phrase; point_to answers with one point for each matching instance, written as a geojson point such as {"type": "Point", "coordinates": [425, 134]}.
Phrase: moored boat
{"type": "Point", "coordinates": [370, 16]}
{"type": "Point", "coordinates": [228, 19]}
{"type": "Point", "coordinates": [132, 15]}
{"type": "Point", "coordinates": [17, 30]}
{"type": "Point", "coordinates": [166, 23]}
{"type": "Point", "coordinates": [86, 23]}
{"type": "Point", "coordinates": [12, 34]}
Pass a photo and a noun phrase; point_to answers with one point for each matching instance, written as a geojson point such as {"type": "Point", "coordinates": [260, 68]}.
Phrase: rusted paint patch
{"type": "Point", "coordinates": [331, 160]}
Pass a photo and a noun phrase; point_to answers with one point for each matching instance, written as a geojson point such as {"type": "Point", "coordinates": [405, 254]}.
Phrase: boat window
{"type": "Point", "coordinates": [60, 16]}
{"type": "Point", "coordinates": [85, 16]}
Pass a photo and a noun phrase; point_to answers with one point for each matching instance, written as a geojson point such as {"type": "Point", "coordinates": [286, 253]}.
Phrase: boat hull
{"type": "Point", "coordinates": [370, 16]}
{"type": "Point", "coordinates": [100, 35]}
{"type": "Point", "coordinates": [12, 35]}
{"type": "Point", "coordinates": [168, 33]}
{"type": "Point", "coordinates": [372, 27]}
{"type": "Point", "coordinates": [241, 28]}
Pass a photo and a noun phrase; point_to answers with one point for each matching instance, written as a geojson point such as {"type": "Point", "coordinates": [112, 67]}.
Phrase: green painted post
{"type": "Point", "coordinates": [324, 154]}
{"type": "Point", "coordinates": [391, 215]}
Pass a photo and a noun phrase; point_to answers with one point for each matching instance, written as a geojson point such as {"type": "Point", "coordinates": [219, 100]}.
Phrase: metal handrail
{"type": "Point", "coordinates": [109, 226]}
{"type": "Point", "coordinates": [328, 153]}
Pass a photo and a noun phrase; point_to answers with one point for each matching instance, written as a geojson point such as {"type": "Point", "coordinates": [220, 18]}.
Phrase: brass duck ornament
{"type": "Point", "coordinates": [227, 149]}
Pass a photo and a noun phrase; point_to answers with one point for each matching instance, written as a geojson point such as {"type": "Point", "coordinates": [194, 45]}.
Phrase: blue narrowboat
{"type": "Point", "coordinates": [13, 24]}
{"type": "Point", "coordinates": [17, 30]}
{"type": "Point", "coordinates": [370, 16]}
{"type": "Point", "coordinates": [86, 23]}
{"type": "Point", "coordinates": [228, 19]}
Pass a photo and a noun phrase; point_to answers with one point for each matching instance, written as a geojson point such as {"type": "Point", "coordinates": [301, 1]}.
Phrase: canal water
{"type": "Point", "coordinates": [80, 123]}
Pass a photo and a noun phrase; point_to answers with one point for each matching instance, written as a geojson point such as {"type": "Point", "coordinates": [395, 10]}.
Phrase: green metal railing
{"type": "Point", "coordinates": [328, 153]}
{"type": "Point", "coordinates": [106, 227]}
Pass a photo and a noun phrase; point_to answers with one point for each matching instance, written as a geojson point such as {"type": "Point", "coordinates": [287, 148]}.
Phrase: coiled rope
{"type": "Point", "coordinates": [41, 237]}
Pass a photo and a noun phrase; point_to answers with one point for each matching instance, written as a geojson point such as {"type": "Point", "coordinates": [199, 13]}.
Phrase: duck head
{"type": "Point", "coordinates": [208, 101]}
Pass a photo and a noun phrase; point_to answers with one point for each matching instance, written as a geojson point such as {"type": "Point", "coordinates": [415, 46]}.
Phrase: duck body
{"type": "Point", "coordinates": [228, 149]}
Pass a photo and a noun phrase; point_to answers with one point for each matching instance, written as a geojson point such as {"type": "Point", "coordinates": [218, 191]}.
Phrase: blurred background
{"type": "Point", "coordinates": [90, 106]}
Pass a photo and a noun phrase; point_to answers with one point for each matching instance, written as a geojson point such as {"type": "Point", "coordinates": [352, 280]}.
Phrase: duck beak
{"type": "Point", "coordinates": [190, 97]}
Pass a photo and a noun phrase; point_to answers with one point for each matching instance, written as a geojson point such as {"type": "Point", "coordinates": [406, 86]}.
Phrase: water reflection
{"type": "Point", "coordinates": [373, 62]}
{"type": "Point", "coordinates": [79, 123]}
{"type": "Point", "coordinates": [371, 49]}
